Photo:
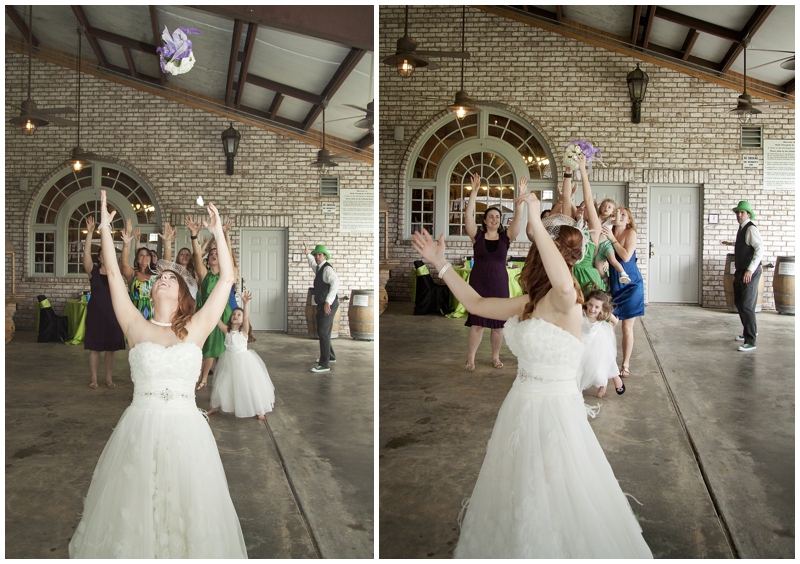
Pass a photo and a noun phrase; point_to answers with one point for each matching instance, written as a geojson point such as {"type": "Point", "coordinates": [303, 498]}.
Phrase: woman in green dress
{"type": "Point", "coordinates": [139, 277]}
{"type": "Point", "coordinates": [585, 272]}
{"type": "Point", "coordinates": [208, 275]}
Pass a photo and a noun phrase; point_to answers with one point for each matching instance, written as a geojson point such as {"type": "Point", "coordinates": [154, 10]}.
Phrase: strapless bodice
{"type": "Point", "coordinates": [547, 355]}
{"type": "Point", "coordinates": [164, 377]}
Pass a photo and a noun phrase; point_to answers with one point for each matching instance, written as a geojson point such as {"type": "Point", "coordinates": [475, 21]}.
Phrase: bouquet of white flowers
{"type": "Point", "coordinates": [577, 147]}
{"type": "Point", "coordinates": [176, 54]}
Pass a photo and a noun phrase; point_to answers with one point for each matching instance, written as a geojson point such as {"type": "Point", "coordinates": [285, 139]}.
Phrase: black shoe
{"type": "Point", "coordinates": [621, 390]}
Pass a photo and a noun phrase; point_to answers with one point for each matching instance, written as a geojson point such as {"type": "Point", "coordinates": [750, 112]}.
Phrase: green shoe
{"type": "Point", "coordinates": [746, 347]}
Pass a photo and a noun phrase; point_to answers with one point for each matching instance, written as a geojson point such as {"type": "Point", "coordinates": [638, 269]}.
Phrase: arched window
{"type": "Point", "coordinates": [58, 224]}
{"type": "Point", "coordinates": [494, 143]}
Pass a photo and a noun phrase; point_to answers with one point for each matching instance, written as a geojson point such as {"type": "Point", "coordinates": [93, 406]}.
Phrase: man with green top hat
{"type": "Point", "coordinates": [326, 286]}
{"type": "Point", "coordinates": [748, 251]}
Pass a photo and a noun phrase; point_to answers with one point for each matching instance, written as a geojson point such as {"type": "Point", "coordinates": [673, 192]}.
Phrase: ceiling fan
{"type": "Point", "coordinates": [464, 103]}
{"type": "Point", "coordinates": [786, 63]}
{"type": "Point", "coordinates": [326, 160]}
{"type": "Point", "coordinates": [79, 158]}
{"type": "Point", "coordinates": [407, 59]}
{"type": "Point", "coordinates": [31, 116]}
{"type": "Point", "coordinates": [745, 107]}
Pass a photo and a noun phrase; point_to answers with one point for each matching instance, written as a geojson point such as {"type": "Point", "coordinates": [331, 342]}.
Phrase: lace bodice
{"type": "Point", "coordinates": [590, 327]}
{"type": "Point", "coordinates": [235, 342]}
{"type": "Point", "coordinates": [164, 376]}
{"type": "Point", "coordinates": [545, 352]}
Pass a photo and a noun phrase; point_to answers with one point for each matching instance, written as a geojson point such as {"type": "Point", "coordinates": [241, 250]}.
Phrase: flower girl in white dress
{"type": "Point", "coordinates": [545, 489]}
{"type": "Point", "coordinates": [599, 361]}
{"type": "Point", "coordinates": [241, 381]}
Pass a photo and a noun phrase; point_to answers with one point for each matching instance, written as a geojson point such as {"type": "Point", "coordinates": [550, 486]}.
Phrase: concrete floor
{"type": "Point", "coordinates": [703, 437]}
{"type": "Point", "coordinates": [302, 482]}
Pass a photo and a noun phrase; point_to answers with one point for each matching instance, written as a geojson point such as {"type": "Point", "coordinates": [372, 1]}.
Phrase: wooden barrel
{"type": "Point", "coordinates": [727, 284]}
{"type": "Point", "coordinates": [383, 299]}
{"type": "Point", "coordinates": [783, 285]}
{"type": "Point", "coordinates": [361, 315]}
{"type": "Point", "coordinates": [311, 317]}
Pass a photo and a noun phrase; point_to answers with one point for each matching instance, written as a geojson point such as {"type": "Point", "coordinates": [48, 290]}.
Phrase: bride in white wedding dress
{"type": "Point", "coordinates": [159, 488]}
{"type": "Point", "coordinates": [545, 489]}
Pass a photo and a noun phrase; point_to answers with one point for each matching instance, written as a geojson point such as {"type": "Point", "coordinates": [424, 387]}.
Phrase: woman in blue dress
{"type": "Point", "coordinates": [628, 298]}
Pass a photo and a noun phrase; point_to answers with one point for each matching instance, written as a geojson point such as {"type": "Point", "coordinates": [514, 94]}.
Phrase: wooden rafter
{"type": "Point", "coordinates": [367, 141]}
{"type": "Point", "coordinates": [129, 59]}
{"type": "Point", "coordinates": [651, 13]}
{"type": "Point", "coordinates": [788, 88]}
{"type": "Point", "coordinates": [276, 104]}
{"type": "Point", "coordinates": [21, 25]}
{"type": "Point", "coordinates": [751, 27]}
{"type": "Point", "coordinates": [350, 61]}
{"type": "Point", "coordinates": [688, 44]}
{"type": "Point", "coordinates": [637, 20]}
{"type": "Point", "coordinates": [98, 51]}
{"type": "Point", "coordinates": [700, 25]}
{"type": "Point", "coordinates": [283, 89]}
{"type": "Point", "coordinates": [249, 45]}
{"type": "Point", "coordinates": [235, 40]}
{"type": "Point", "coordinates": [559, 14]}
{"type": "Point", "coordinates": [156, 35]}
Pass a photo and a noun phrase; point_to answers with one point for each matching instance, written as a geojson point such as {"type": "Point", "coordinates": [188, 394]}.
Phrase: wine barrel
{"type": "Point", "coordinates": [783, 285]}
{"type": "Point", "coordinates": [361, 315]}
{"type": "Point", "coordinates": [311, 317]}
{"type": "Point", "coordinates": [727, 284]}
{"type": "Point", "coordinates": [383, 300]}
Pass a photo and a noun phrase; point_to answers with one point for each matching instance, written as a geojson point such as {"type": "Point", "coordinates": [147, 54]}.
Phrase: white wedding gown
{"type": "Point", "coordinates": [545, 489]}
{"type": "Point", "coordinates": [159, 489]}
{"type": "Point", "coordinates": [241, 380]}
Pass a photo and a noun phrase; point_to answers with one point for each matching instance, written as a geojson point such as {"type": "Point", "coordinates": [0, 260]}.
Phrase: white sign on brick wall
{"type": "Point", "coordinates": [749, 161]}
{"type": "Point", "coordinates": [779, 163]}
{"type": "Point", "coordinates": [357, 207]}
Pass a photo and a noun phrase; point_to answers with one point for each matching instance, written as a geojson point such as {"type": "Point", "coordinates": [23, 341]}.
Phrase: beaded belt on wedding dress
{"type": "Point", "coordinates": [532, 382]}
{"type": "Point", "coordinates": [166, 394]}
{"type": "Point", "coordinates": [164, 398]}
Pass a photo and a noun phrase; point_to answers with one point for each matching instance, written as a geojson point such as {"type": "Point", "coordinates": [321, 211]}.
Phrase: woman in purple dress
{"type": "Point", "coordinates": [103, 332]}
{"type": "Point", "coordinates": [489, 276]}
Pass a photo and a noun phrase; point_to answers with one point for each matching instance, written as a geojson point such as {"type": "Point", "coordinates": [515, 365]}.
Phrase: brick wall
{"type": "Point", "coordinates": [567, 90]}
{"type": "Point", "coordinates": [177, 150]}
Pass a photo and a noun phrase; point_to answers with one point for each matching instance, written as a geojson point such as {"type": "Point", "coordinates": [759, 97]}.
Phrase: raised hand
{"type": "Point", "coordinates": [476, 182]}
{"type": "Point", "coordinates": [428, 248]}
{"type": "Point", "coordinates": [522, 186]}
{"type": "Point", "coordinates": [581, 162]}
{"type": "Point", "coordinates": [90, 223]}
{"type": "Point", "coordinates": [169, 233]}
{"type": "Point", "coordinates": [214, 222]}
{"type": "Point", "coordinates": [305, 249]}
{"type": "Point", "coordinates": [227, 225]}
{"type": "Point", "coordinates": [137, 236]}
{"type": "Point", "coordinates": [194, 226]}
{"type": "Point", "coordinates": [533, 202]}
{"type": "Point", "coordinates": [105, 217]}
{"type": "Point", "coordinates": [246, 295]}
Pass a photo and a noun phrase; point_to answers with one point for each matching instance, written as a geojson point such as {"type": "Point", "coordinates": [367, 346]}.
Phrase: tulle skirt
{"type": "Point", "coordinates": [242, 384]}
{"type": "Point", "coordinates": [599, 360]}
{"type": "Point", "coordinates": [545, 489]}
{"type": "Point", "coordinates": [159, 490]}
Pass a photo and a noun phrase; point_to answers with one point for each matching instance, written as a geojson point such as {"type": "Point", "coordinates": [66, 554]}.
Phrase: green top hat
{"type": "Point", "coordinates": [745, 206]}
{"type": "Point", "coordinates": [323, 250]}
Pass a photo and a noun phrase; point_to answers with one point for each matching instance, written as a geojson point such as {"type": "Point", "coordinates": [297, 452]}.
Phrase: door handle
{"type": "Point", "coordinates": [652, 252]}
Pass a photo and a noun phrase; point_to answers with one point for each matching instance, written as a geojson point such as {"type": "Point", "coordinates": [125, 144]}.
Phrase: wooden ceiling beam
{"type": "Point", "coordinates": [788, 88]}
{"type": "Point", "coordinates": [710, 65]}
{"type": "Point", "coordinates": [284, 89]}
{"type": "Point", "coordinates": [123, 41]}
{"type": "Point", "coordinates": [688, 44]}
{"type": "Point", "coordinates": [759, 16]}
{"type": "Point", "coordinates": [156, 36]}
{"type": "Point", "coordinates": [651, 13]}
{"type": "Point", "coordinates": [98, 52]}
{"type": "Point", "coordinates": [542, 13]}
{"type": "Point", "coordinates": [21, 25]}
{"type": "Point", "coordinates": [277, 100]}
{"type": "Point", "coordinates": [559, 14]}
{"type": "Point", "coordinates": [129, 60]}
{"type": "Point", "coordinates": [637, 20]}
{"type": "Point", "coordinates": [698, 24]}
{"type": "Point", "coordinates": [277, 119]}
{"type": "Point", "coordinates": [348, 64]}
{"type": "Point", "coordinates": [367, 141]}
{"type": "Point", "coordinates": [236, 39]}
{"type": "Point", "coordinates": [249, 45]}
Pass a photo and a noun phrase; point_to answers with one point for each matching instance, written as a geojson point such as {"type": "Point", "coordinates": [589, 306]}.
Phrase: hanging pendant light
{"type": "Point", "coordinates": [79, 158]}
{"type": "Point", "coordinates": [464, 103]}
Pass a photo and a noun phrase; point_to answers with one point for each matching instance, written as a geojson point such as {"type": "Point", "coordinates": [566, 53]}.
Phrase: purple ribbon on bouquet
{"type": "Point", "coordinates": [176, 46]}
{"type": "Point", "coordinates": [592, 153]}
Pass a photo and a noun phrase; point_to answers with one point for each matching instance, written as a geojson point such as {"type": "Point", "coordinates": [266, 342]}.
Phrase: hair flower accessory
{"type": "Point", "coordinates": [176, 54]}
{"type": "Point", "coordinates": [575, 148]}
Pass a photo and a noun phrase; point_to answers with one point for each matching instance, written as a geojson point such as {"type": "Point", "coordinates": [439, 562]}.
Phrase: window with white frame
{"type": "Point", "coordinates": [58, 225]}
{"type": "Point", "coordinates": [495, 144]}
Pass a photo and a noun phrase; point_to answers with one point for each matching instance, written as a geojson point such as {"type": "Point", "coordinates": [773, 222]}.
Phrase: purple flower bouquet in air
{"type": "Point", "coordinates": [575, 148]}
{"type": "Point", "coordinates": [176, 54]}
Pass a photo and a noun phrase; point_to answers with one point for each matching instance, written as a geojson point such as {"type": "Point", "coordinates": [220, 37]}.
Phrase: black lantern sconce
{"type": "Point", "coordinates": [230, 143]}
{"type": "Point", "coordinates": [637, 86]}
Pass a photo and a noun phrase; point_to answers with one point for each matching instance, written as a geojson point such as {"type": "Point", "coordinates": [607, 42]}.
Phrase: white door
{"type": "Point", "coordinates": [263, 272]}
{"type": "Point", "coordinates": [602, 190]}
{"type": "Point", "coordinates": [674, 248]}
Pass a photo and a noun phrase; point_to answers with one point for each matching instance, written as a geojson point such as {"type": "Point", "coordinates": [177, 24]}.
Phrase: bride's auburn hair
{"type": "Point", "coordinates": [186, 308]}
{"type": "Point", "coordinates": [533, 278]}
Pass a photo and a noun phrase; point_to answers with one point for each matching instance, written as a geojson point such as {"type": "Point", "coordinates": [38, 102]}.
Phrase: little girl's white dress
{"type": "Point", "coordinates": [241, 381]}
{"type": "Point", "coordinates": [599, 360]}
